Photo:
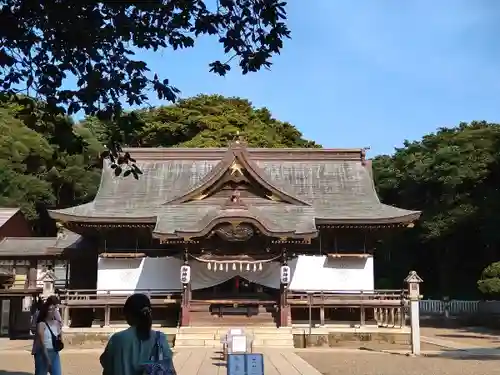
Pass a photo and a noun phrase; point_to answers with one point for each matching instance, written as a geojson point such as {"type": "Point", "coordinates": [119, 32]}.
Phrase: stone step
{"type": "Point", "coordinates": [198, 336]}
{"type": "Point", "coordinates": [211, 337]}
{"type": "Point", "coordinates": [270, 336]}
{"type": "Point", "coordinates": [186, 343]}
{"type": "Point", "coordinates": [268, 343]}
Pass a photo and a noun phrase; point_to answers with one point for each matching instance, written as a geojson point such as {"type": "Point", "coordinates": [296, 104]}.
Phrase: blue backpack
{"type": "Point", "coordinates": [157, 364]}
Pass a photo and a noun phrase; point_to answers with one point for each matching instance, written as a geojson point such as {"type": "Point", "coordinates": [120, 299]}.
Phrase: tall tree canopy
{"type": "Point", "coordinates": [201, 121]}
{"type": "Point", "coordinates": [47, 43]}
{"type": "Point", "coordinates": [41, 162]}
{"type": "Point", "coordinates": [453, 177]}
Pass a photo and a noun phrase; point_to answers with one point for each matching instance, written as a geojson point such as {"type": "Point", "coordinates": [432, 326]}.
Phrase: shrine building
{"type": "Point", "coordinates": [232, 235]}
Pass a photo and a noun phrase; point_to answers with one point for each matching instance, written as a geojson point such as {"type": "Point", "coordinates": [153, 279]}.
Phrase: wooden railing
{"type": "Point", "coordinates": [80, 297]}
{"type": "Point", "coordinates": [348, 298]}
{"type": "Point", "coordinates": [388, 305]}
{"type": "Point", "coordinates": [108, 299]}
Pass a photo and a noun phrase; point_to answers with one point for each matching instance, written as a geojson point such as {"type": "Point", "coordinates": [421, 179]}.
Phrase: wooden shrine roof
{"type": "Point", "coordinates": [38, 246]}
{"type": "Point", "coordinates": [307, 187]}
{"type": "Point", "coordinates": [6, 214]}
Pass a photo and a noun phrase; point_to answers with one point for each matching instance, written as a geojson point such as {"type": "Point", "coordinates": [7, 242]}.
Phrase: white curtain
{"type": "Point", "coordinates": [308, 273]}
{"type": "Point", "coordinates": [119, 276]}
{"type": "Point", "coordinates": [202, 277]}
{"type": "Point", "coordinates": [321, 273]}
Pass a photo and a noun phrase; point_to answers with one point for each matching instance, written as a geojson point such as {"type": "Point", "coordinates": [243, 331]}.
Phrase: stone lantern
{"type": "Point", "coordinates": [414, 281]}
{"type": "Point", "coordinates": [48, 282]}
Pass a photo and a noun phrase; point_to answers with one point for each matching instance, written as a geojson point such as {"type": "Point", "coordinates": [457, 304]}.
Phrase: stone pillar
{"type": "Point", "coordinates": [413, 281]}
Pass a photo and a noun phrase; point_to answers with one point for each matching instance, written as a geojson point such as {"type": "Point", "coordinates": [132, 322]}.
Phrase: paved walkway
{"type": "Point", "coordinates": [209, 362]}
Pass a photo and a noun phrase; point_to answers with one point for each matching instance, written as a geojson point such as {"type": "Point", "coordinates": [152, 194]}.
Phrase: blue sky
{"type": "Point", "coordinates": [365, 72]}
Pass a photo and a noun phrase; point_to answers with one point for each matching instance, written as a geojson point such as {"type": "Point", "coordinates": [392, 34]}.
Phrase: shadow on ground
{"type": "Point", "coordinates": [473, 354]}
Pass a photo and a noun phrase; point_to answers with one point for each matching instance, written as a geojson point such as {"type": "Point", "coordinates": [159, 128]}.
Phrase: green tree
{"type": "Point", "coordinates": [200, 121]}
{"type": "Point", "coordinates": [46, 42]}
{"type": "Point", "coordinates": [452, 176]}
{"type": "Point", "coordinates": [41, 162]}
{"type": "Point", "coordinates": [490, 279]}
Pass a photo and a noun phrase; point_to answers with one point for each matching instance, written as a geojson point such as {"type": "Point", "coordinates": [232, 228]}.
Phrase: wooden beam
{"type": "Point", "coordinates": [122, 255]}
{"type": "Point", "coordinates": [353, 255]}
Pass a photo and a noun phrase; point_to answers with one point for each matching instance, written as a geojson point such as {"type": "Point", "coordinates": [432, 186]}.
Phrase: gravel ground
{"type": "Point", "coordinates": [15, 363]}
{"type": "Point", "coordinates": [328, 363]}
{"type": "Point", "coordinates": [473, 336]}
{"type": "Point", "coordinates": [389, 364]}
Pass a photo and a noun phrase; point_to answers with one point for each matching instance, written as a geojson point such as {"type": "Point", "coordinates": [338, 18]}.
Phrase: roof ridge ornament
{"type": "Point", "coordinates": [238, 140]}
{"type": "Point", "coordinates": [234, 201]}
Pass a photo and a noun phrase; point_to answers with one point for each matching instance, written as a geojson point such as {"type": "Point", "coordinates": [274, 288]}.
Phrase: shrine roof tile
{"type": "Point", "coordinates": [336, 184]}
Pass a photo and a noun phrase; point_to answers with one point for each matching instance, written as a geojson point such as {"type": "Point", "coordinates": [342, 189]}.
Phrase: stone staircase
{"type": "Point", "coordinates": [268, 337]}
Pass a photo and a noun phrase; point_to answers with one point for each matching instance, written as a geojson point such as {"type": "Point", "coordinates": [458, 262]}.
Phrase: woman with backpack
{"type": "Point", "coordinates": [48, 341]}
{"type": "Point", "coordinates": [138, 349]}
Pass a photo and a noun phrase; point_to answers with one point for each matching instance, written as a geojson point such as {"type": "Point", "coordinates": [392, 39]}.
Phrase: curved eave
{"type": "Point", "coordinates": [64, 217]}
{"type": "Point", "coordinates": [409, 218]}
{"type": "Point", "coordinates": [259, 223]}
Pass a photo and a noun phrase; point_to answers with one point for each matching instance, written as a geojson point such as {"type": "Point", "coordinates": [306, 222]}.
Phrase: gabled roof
{"type": "Point", "coordinates": [6, 214]}
{"type": "Point", "coordinates": [330, 186]}
{"type": "Point", "coordinates": [38, 246]}
{"type": "Point", "coordinates": [237, 157]}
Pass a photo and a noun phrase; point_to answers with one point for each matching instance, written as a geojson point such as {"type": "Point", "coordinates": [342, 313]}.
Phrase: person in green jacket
{"type": "Point", "coordinates": [128, 350]}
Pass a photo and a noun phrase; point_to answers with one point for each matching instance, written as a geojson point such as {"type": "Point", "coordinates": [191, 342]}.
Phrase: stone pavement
{"type": "Point", "coordinates": [199, 361]}
{"type": "Point", "coordinates": [208, 362]}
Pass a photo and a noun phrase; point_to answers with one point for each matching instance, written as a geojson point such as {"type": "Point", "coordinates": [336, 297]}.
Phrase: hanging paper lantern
{"type": "Point", "coordinates": [241, 266]}
{"type": "Point", "coordinates": [209, 266]}
{"type": "Point", "coordinates": [260, 266]}
{"type": "Point", "coordinates": [234, 266]}
{"type": "Point", "coordinates": [227, 267]}
{"type": "Point", "coordinates": [215, 267]}
{"type": "Point", "coordinates": [248, 267]}
{"type": "Point", "coordinates": [254, 267]}
{"type": "Point", "coordinates": [221, 267]}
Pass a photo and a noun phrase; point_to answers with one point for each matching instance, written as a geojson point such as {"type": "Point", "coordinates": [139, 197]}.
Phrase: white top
{"type": "Point", "coordinates": [47, 337]}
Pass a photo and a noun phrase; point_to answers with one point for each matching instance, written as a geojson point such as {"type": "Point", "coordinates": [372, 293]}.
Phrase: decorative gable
{"type": "Point", "coordinates": [236, 172]}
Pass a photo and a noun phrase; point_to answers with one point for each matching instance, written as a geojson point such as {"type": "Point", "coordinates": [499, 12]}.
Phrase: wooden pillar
{"type": "Point", "coordinates": [362, 311]}
{"type": "Point", "coordinates": [32, 274]}
{"type": "Point", "coordinates": [186, 305]}
{"type": "Point", "coordinates": [66, 276]}
{"type": "Point", "coordinates": [284, 307]}
{"type": "Point", "coordinates": [186, 298]}
{"type": "Point", "coordinates": [66, 316]}
{"type": "Point", "coordinates": [107, 315]}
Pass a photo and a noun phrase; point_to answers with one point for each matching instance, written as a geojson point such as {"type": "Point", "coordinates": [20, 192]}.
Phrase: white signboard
{"type": "Point", "coordinates": [238, 344]}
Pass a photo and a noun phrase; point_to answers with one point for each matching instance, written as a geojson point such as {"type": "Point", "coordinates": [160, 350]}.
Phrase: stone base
{"type": "Point", "coordinates": [349, 337]}
{"type": "Point", "coordinates": [86, 338]}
